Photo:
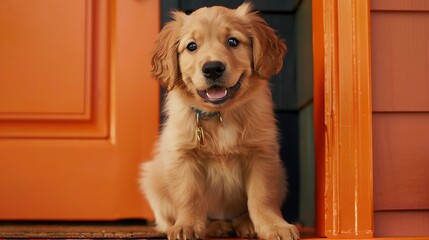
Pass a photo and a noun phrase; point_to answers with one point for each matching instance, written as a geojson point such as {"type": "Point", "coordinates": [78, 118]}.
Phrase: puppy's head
{"type": "Point", "coordinates": [215, 54]}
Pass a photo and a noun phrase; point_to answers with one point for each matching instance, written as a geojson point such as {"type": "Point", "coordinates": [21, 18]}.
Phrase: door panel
{"type": "Point", "coordinates": [44, 58]}
{"type": "Point", "coordinates": [54, 70]}
{"type": "Point", "coordinates": [78, 108]}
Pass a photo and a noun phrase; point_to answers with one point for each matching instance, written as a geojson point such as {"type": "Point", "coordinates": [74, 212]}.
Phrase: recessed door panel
{"type": "Point", "coordinates": [79, 110]}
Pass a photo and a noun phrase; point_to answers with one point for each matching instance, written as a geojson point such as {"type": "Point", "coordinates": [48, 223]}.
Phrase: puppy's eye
{"type": "Point", "coordinates": [191, 47]}
{"type": "Point", "coordinates": [233, 42]}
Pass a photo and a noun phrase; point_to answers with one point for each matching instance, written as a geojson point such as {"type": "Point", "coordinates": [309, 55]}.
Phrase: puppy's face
{"type": "Point", "coordinates": [215, 53]}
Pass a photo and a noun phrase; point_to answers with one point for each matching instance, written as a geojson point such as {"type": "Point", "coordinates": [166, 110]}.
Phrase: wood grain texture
{"type": "Point", "coordinates": [400, 60]}
{"type": "Point", "coordinates": [401, 166]}
{"type": "Point", "coordinates": [400, 5]}
{"type": "Point", "coordinates": [345, 208]}
{"type": "Point", "coordinates": [134, 229]}
{"type": "Point", "coordinates": [401, 224]}
{"type": "Point", "coordinates": [76, 230]}
{"type": "Point", "coordinates": [400, 57]}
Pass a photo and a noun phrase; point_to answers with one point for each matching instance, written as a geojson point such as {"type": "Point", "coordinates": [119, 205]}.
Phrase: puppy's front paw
{"type": "Point", "coordinates": [244, 227]}
{"type": "Point", "coordinates": [188, 231]}
{"type": "Point", "coordinates": [279, 231]}
{"type": "Point", "coordinates": [219, 228]}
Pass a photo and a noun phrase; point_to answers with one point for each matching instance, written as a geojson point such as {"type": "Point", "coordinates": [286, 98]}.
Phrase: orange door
{"type": "Point", "coordinates": [78, 108]}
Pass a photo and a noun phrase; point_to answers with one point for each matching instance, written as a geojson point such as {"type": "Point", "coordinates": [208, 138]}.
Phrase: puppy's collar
{"type": "Point", "coordinates": [204, 116]}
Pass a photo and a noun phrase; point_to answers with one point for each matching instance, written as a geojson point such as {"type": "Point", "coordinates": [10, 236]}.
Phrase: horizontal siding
{"type": "Point", "coordinates": [400, 81]}
{"type": "Point", "coordinates": [400, 61]}
{"type": "Point", "coordinates": [401, 223]}
{"type": "Point", "coordinates": [401, 161]}
{"type": "Point", "coordinates": [400, 5]}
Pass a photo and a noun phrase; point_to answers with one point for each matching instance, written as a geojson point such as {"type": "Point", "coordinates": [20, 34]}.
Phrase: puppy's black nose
{"type": "Point", "coordinates": [213, 70]}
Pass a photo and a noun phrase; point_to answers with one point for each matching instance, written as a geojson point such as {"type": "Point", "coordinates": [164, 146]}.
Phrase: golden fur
{"type": "Point", "coordinates": [235, 181]}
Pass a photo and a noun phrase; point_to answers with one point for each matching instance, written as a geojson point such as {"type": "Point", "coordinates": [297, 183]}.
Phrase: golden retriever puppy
{"type": "Point", "coordinates": [216, 167]}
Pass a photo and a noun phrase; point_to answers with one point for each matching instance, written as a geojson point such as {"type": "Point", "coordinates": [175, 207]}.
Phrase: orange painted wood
{"type": "Point", "coordinates": [401, 115]}
{"type": "Point", "coordinates": [68, 168]}
{"type": "Point", "coordinates": [319, 114]}
{"type": "Point", "coordinates": [378, 238]}
{"type": "Point", "coordinates": [34, 86]}
{"type": "Point", "coordinates": [45, 58]}
{"type": "Point", "coordinates": [402, 224]}
{"type": "Point", "coordinates": [400, 5]}
{"type": "Point", "coordinates": [400, 60]}
{"type": "Point", "coordinates": [346, 209]}
{"type": "Point", "coordinates": [401, 166]}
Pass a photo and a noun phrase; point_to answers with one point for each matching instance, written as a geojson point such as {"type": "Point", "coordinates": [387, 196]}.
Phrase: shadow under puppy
{"type": "Point", "coordinates": [216, 167]}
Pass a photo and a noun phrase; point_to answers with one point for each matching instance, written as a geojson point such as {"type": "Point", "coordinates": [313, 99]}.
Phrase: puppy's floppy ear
{"type": "Point", "coordinates": [165, 66]}
{"type": "Point", "coordinates": [268, 49]}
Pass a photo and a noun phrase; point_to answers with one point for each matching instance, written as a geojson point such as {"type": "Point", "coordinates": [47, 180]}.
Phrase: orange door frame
{"type": "Point", "coordinates": [343, 119]}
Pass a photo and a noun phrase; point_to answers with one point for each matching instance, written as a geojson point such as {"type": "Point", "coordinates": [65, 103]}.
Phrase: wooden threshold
{"type": "Point", "coordinates": [78, 230]}
{"type": "Point", "coordinates": [135, 229]}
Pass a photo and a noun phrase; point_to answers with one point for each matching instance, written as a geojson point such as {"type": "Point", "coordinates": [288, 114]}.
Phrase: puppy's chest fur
{"type": "Point", "coordinates": [225, 188]}
{"type": "Point", "coordinates": [224, 159]}
{"type": "Point", "coordinates": [222, 137]}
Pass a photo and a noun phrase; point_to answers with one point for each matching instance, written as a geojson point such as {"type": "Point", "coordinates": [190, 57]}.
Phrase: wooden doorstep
{"type": "Point", "coordinates": [109, 230]}
{"type": "Point", "coordinates": [78, 230]}
{"type": "Point", "coordinates": [90, 230]}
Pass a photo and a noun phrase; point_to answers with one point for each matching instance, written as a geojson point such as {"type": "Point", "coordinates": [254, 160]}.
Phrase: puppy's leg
{"type": "Point", "coordinates": [187, 182]}
{"type": "Point", "coordinates": [243, 226]}
{"type": "Point", "coordinates": [152, 184]}
{"type": "Point", "coordinates": [266, 190]}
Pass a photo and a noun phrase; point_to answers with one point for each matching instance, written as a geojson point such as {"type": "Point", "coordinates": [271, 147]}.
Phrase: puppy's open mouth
{"type": "Point", "coordinates": [219, 94]}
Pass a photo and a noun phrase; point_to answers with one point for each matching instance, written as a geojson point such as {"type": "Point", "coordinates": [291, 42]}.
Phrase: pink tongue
{"type": "Point", "coordinates": [216, 93]}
